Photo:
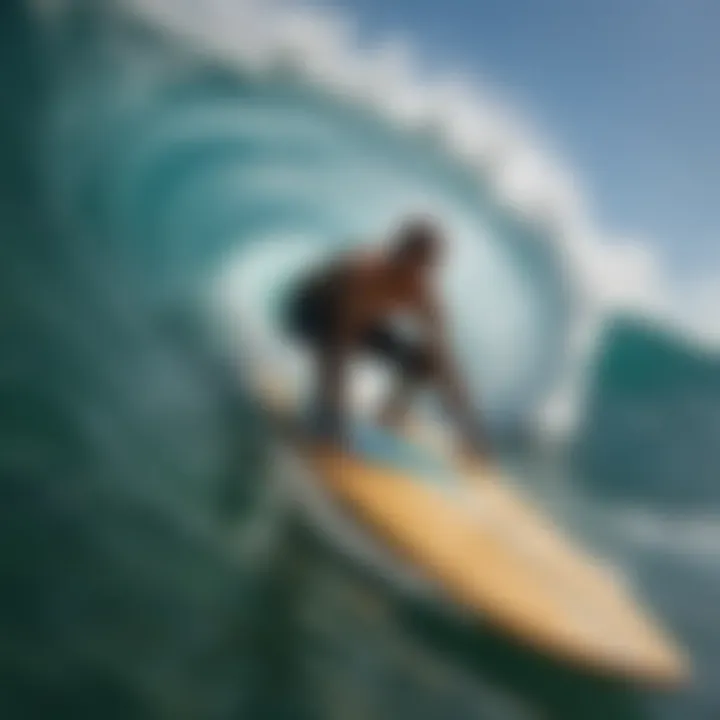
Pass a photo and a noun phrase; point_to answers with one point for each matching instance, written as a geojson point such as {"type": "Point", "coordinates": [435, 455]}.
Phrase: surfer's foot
{"type": "Point", "coordinates": [473, 456]}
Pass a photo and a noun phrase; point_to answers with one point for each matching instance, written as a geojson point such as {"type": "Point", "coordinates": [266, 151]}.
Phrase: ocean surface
{"type": "Point", "coordinates": [151, 564]}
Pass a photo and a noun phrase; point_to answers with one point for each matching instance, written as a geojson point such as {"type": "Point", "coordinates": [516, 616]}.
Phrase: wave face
{"type": "Point", "coordinates": [148, 567]}
{"type": "Point", "coordinates": [188, 165]}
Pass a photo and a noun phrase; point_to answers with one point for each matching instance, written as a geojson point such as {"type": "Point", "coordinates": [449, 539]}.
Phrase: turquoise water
{"type": "Point", "coordinates": [148, 568]}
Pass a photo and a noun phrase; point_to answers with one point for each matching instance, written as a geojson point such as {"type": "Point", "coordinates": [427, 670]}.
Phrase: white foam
{"type": "Point", "coordinates": [693, 536]}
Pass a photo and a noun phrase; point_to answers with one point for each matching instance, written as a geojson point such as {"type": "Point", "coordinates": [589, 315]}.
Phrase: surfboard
{"type": "Point", "coordinates": [485, 547]}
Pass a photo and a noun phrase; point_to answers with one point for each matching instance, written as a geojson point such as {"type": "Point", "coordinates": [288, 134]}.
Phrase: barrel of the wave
{"type": "Point", "coordinates": [472, 536]}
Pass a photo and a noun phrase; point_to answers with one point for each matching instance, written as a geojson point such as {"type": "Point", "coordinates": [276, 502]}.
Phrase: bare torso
{"type": "Point", "coordinates": [370, 291]}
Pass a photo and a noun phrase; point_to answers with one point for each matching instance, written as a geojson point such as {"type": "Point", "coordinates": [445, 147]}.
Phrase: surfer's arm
{"type": "Point", "coordinates": [446, 371]}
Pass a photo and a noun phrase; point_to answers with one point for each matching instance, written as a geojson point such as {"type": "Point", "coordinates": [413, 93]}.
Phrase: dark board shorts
{"type": "Point", "coordinates": [312, 316]}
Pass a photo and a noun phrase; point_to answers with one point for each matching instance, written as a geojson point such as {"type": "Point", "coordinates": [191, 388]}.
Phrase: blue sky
{"type": "Point", "coordinates": [627, 90]}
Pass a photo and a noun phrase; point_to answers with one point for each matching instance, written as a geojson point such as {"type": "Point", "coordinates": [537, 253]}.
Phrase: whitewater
{"type": "Point", "coordinates": [168, 165]}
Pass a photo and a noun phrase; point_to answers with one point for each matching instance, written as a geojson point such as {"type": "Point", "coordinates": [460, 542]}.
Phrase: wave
{"type": "Point", "coordinates": [653, 419]}
{"type": "Point", "coordinates": [188, 168]}
{"type": "Point", "coordinates": [448, 144]}
{"type": "Point", "coordinates": [158, 161]}
{"type": "Point", "coordinates": [220, 145]}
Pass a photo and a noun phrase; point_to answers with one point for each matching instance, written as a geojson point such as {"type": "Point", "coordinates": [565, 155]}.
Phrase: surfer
{"type": "Point", "coordinates": [346, 307]}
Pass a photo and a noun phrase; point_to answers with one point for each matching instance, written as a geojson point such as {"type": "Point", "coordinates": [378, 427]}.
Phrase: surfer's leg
{"type": "Point", "coordinates": [414, 370]}
{"type": "Point", "coordinates": [310, 322]}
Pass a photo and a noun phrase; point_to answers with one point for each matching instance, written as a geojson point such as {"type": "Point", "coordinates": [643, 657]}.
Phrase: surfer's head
{"type": "Point", "coordinates": [417, 244]}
